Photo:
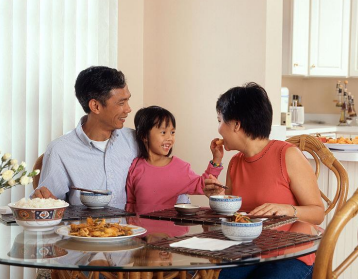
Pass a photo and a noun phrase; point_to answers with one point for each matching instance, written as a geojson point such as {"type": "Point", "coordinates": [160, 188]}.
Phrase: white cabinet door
{"type": "Point", "coordinates": [300, 36]}
{"type": "Point", "coordinates": [295, 37]}
{"type": "Point", "coordinates": [329, 40]}
{"type": "Point", "coordinates": [354, 40]}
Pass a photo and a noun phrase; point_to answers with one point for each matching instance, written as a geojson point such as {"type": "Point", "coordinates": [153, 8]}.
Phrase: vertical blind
{"type": "Point", "coordinates": [43, 47]}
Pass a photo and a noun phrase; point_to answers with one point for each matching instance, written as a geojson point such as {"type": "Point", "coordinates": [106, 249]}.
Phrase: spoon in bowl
{"type": "Point", "coordinates": [102, 192]}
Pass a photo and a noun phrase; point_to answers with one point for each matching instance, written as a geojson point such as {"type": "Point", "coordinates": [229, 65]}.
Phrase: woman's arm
{"type": "Point", "coordinates": [304, 187]}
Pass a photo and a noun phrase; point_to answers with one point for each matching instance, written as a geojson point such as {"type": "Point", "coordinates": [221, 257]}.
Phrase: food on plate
{"type": "Point", "coordinates": [99, 228]}
{"type": "Point", "coordinates": [239, 218]}
{"type": "Point", "coordinates": [229, 197]}
{"type": "Point", "coordinates": [220, 142]}
{"type": "Point", "coordinates": [40, 203]}
{"type": "Point", "coordinates": [343, 140]}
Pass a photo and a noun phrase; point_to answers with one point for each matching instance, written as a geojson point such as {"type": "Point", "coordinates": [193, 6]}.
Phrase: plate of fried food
{"type": "Point", "coordinates": [342, 143]}
{"type": "Point", "coordinates": [99, 231]}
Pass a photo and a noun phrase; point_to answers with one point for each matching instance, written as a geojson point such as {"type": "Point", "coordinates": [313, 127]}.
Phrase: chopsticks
{"type": "Point", "coordinates": [222, 186]}
{"type": "Point", "coordinates": [91, 191]}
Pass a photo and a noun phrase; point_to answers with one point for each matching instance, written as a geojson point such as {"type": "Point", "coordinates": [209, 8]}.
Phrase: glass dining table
{"type": "Point", "coordinates": [149, 250]}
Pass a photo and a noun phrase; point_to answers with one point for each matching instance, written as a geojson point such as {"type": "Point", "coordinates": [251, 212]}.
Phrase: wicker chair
{"type": "Point", "coordinates": [324, 255]}
{"type": "Point", "coordinates": [321, 153]}
{"type": "Point", "coordinates": [37, 165]}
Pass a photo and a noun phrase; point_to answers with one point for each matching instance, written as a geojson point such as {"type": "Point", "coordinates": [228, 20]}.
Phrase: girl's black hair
{"type": "Point", "coordinates": [251, 106]}
{"type": "Point", "coordinates": [147, 118]}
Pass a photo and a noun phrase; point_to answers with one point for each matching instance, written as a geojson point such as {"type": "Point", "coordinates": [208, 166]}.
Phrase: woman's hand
{"type": "Point", "coordinates": [273, 209]}
{"type": "Point", "coordinates": [217, 150]}
{"type": "Point", "coordinates": [210, 188]}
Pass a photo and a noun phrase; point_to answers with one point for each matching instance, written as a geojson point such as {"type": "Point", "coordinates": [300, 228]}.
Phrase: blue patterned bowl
{"type": "Point", "coordinates": [245, 232]}
{"type": "Point", "coordinates": [225, 204]}
{"type": "Point", "coordinates": [95, 200]}
{"type": "Point", "coordinates": [38, 219]}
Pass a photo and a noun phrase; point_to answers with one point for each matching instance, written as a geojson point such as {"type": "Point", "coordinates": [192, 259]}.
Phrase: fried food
{"type": "Point", "coordinates": [220, 142]}
{"type": "Point", "coordinates": [239, 218]}
{"type": "Point", "coordinates": [99, 228]}
{"type": "Point", "coordinates": [343, 140]}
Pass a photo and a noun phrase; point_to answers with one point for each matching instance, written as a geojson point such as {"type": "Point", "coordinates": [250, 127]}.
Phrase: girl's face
{"type": "Point", "coordinates": [161, 139]}
{"type": "Point", "coordinates": [226, 130]}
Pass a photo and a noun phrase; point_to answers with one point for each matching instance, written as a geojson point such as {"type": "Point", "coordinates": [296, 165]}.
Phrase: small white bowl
{"type": "Point", "coordinates": [244, 232]}
{"type": "Point", "coordinates": [38, 219]}
{"type": "Point", "coordinates": [225, 204]}
{"type": "Point", "coordinates": [186, 208]}
{"type": "Point", "coordinates": [94, 200]}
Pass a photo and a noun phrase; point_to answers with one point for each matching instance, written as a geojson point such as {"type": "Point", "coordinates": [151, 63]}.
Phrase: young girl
{"type": "Point", "coordinates": [156, 179]}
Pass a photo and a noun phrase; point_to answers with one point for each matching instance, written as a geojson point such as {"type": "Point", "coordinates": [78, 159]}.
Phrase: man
{"type": "Point", "coordinates": [98, 153]}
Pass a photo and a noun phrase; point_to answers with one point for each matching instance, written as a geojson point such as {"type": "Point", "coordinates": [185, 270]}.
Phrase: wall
{"type": "Point", "coordinates": [318, 93]}
{"type": "Point", "coordinates": [196, 50]}
{"type": "Point", "coordinates": [130, 51]}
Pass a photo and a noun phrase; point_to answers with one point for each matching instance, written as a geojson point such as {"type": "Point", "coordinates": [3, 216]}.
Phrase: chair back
{"type": "Point", "coordinates": [321, 153]}
{"type": "Point", "coordinates": [323, 264]}
{"type": "Point", "coordinates": [37, 165]}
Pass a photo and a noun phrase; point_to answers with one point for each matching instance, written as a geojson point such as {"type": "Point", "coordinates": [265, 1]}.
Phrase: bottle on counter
{"type": "Point", "coordinates": [338, 94]}
{"type": "Point", "coordinates": [352, 113]}
{"type": "Point", "coordinates": [343, 117]}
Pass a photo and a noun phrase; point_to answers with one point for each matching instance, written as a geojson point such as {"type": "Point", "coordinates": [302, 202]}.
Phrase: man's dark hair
{"type": "Point", "coordinates": [147, 118]}
{"type": "Point", "coordinates": [97, 83]}
{"type": "Point", "coordinates": [249, 105]}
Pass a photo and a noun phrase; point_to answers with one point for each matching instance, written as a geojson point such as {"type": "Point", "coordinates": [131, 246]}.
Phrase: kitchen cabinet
{"type": "Point", "coordinates": [329, 39]}
{"type": "Point", "coordinates": [296, 33]}
{"type": "Point", "coordinates": [316, 37]}
{"type": "Point", "coordinates": [354, 40]}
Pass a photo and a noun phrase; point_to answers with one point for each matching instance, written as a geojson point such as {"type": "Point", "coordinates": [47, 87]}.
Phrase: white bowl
{"type": "Point", "coordinates": [94, 200]}
{"type": "Point", "coordinates": [38, 219]}
{"type": "Point", "coordinates": [225, 204]}
{"type": "Point", "coordinates": [245, 232]}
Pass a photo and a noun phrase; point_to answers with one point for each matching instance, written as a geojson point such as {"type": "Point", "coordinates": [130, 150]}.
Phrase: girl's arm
{"type": "Point", "coordinates": [131, 199]}
{"type": "Point", "coordinates": [303, 186]}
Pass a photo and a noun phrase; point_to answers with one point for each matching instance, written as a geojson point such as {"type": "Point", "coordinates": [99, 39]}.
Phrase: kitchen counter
{"type": "Point", "coordinates": [322, 129]}
{"type": "Point", "coordinates": [313, 129]}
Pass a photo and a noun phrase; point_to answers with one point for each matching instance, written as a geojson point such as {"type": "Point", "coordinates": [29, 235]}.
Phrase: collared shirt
{"type": "Point", "coordinates": [74, 160]}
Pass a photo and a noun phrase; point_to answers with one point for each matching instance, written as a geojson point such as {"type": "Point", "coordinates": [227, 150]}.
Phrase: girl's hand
{"type": "Point", "coordinates": [217, 151]}
{"type": "Point", "coordinates": [210, 189]}
{"type": "Point", "coordinates": [273, 209]}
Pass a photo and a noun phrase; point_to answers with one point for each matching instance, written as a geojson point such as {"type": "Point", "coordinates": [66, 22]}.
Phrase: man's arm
{"type": "Point", "coordinates": [54, 180]}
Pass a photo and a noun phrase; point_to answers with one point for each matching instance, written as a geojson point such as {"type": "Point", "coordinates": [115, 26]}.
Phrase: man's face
{"type": "Point", "coordinates": [113, 115]}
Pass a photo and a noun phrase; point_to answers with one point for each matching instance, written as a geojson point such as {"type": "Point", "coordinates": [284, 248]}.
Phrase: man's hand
{"type": "Point", "coordinates": [43, 193]}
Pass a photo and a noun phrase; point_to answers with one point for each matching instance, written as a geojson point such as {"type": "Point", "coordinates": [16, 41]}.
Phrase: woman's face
{"type": "Point", "coordinates": [227, 131]}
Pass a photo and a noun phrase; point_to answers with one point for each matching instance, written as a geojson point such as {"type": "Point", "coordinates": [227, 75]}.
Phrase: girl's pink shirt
{"type": "Point", "coordinates": [150, 188]}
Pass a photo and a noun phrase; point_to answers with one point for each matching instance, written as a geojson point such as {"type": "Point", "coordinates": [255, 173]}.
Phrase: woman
{"type": "Point", "coordinates": [272, 177]}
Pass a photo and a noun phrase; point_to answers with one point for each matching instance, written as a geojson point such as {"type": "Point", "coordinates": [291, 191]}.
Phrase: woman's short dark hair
{"type": "Point", "coordinates": [249, 105]}
{"type": "Point", "coordinates": [147, 118]}
{"type": "Point", "coordinates": [97, 83]}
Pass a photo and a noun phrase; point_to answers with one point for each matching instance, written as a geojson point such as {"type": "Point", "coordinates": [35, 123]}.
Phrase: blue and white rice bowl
{"type": "Point", "coordinates": [244, 232]}
{"type": "Point", "coordinates": [225, 204]}
{"type": "Point", "coordinates": [95, 200]}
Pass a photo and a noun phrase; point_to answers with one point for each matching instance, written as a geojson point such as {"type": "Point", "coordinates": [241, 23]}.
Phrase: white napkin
{"type": "Point", "coordinates": [205, 243]}
{"type": "Point", "coordinates": [5, 210]}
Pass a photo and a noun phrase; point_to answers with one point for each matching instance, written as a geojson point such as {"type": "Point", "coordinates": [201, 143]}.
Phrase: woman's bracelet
{"type": "Point", "coordinates": [295, 211]}
{"type": "Point", "coordinates": [215, 165]}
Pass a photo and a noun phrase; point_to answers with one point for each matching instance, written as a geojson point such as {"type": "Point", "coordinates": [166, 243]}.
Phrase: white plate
{"type": "Point", "coordinates": [122, 246]}
{"type": "Point", "coordinates": [65, 231]}
{"type": "Point", "coordinates": [338, 146]}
